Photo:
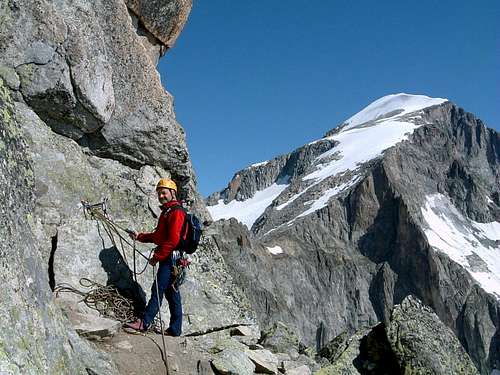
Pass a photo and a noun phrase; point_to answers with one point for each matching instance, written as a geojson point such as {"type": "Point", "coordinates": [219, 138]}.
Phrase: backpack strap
{"type": "Point", "coordinates": [184, 225]}
{"type": "Point", "coordinates": [175, 207]}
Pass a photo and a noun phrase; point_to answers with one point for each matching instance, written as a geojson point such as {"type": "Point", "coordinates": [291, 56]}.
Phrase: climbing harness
{"type": "Point", "coordinates": [181, 262]}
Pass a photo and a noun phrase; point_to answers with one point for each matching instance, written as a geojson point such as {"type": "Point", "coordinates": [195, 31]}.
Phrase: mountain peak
{"type": "Point", "coordinates": [390, 106]}
{"type": "Point", "coordinates": [328, 165]}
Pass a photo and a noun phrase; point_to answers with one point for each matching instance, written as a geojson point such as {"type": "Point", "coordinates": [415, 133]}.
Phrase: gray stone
{"type": "Point", "coordinates": [10, 77]}
{"type": "Point", "coordinates": [125, 345]}
{"type": "Point", "coordinates": [242, 331]}
{"type": "Point", "coordinates": [34, 334]}
{"type": "Point", "coordinates": [301, 370]}
{"type": "Point", "coordinates": [233, 362]}
{"type": "Point", "coordinates": [227, 343]}
{"type": "Point", "coordinates": [332, 350]}
{"type": "Point", "coordinates": [88, 75]}
{"type": "Point", "coordinates": [248, 335]}
{"type": "Point", "coordinates": [42, 85]}
{"type": "Point", "coordinates": [283, 357]}
{"type": "Point", "coordinates": [344, 360]}
{"type": "Point", "coordinates": [93, 327]}
{"type": "Point", "coordinates": [279, 338]}
{"type": "Point", "coordinates": [414, 341]}
{"type": "Point", "coordinates": [40, 52]}
{"type": "Point", "coordinates": [265, 361]}
{"type": "Point", "coordinates": [423, 344]}
{"type": "Point", "coordinates": [254, 346]}
{"type": "Point", "coordinates": [249, 341]}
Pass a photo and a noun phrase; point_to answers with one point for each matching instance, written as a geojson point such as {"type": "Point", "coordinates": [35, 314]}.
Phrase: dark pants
{"type": "Point", "coordinates": [165, 279]}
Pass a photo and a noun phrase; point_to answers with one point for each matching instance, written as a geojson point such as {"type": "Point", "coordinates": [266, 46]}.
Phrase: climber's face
{"type": "Point", "coordinates": [164, 195]}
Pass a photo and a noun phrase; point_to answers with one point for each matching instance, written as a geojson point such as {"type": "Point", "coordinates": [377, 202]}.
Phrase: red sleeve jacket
{"type": "Point", "coordinates": [167, 234]}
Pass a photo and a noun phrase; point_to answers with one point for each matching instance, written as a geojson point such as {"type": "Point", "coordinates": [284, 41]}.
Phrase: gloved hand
{"type": "Point", "coordinates": [132, 234]}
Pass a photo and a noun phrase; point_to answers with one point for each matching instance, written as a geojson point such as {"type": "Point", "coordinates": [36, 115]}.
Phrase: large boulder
{"type": "Point", "coordinates": [423, 344]}
{"type": "Point", "coordinates": [162, 18]}
{"type": "Point", "coordinates": [230, 361]}
{"type": "Point", "coordinates": [343, 359]}
{"type": "Point", "coordinates": [265, 361]}
{"type": "Point", "coordinates": [280, 338]}
{"type": "Point", "coordinates": [414, 341]}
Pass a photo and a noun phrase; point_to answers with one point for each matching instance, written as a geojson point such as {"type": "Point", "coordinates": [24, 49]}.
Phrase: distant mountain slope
{"type": "Point", "coordinates": [402, 198]}
{"type": "Point", "coordinates": [341, 153]}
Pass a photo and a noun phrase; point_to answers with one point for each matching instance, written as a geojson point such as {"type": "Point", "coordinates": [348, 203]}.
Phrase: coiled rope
{"type": "Point", "coordinates": [105, 299]}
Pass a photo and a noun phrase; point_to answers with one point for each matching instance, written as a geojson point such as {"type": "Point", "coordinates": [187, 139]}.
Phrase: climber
{"type": "Point", "coordinates": [166, 236]}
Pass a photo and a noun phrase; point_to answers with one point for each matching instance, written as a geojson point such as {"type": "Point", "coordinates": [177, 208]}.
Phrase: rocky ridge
{"type": "Point", "coordinates": [347, 236]}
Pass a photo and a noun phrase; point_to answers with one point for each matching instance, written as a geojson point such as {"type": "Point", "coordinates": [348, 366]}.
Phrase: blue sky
{"type": "Point", "coordinates": [255, 79]}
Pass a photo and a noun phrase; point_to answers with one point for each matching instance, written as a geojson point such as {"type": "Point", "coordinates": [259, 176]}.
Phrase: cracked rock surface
{"type": "Point", "coordinates": [85, 116]}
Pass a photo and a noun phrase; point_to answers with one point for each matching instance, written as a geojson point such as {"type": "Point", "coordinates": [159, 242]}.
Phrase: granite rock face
{"type": "Point", "coordinates": [85, 116]}
{"type": "Point", "coordinates": [75, 247]}
{"type": "Point", "coordinates": [352, 232]}
{"type": "Point", "coordinates": [97, 84]}
{"type": "Point", "coordinates": [34, 338]}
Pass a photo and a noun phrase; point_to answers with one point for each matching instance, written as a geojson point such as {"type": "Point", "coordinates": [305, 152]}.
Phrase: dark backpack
{"type": "Point", "coordinates": [194, 231]}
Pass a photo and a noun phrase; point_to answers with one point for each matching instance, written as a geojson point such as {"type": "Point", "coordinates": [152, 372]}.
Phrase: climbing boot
{"type": "Point", "coordinates": [138, 325]}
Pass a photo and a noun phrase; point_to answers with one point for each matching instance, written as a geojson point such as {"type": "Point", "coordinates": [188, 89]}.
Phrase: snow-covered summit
{"type": "Point", "coordinates": [391, 106]}
{"type": "Point", "coordinates": [360, 144]}
{"type": "Point", "coordinates": [385, 125]}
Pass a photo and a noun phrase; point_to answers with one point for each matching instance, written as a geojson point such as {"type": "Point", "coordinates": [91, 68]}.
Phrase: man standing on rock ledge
{"type": "Point", "coordinates": [167, 237]}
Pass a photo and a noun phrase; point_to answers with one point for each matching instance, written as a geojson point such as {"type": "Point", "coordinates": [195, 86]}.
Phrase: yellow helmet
{"type": "Point", "coordinates": [166, 183]}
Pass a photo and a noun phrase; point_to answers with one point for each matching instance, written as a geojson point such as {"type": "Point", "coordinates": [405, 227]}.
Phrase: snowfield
{"type": "Point", "coordinates": [366, 135]}
{"type": "Point", "coordinates": [275, 250]}
{"type": "Point", "coordinates": [475, 246]}
{"type": "Point", "coordinates": [249, 210]}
